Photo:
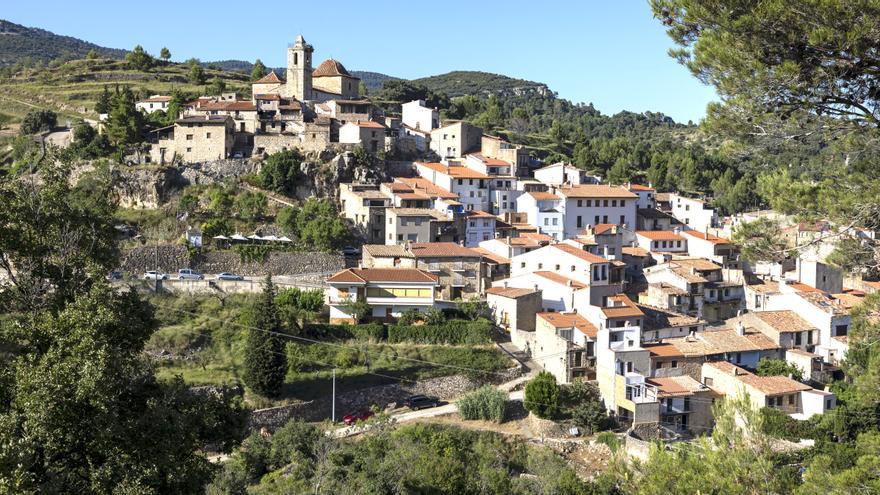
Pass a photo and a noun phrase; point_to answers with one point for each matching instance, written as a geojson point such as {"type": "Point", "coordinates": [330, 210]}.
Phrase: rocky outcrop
{"type": "Point", "coordinates": [148, 188]}
{"type": "Point", "coordinates": [169, 259]}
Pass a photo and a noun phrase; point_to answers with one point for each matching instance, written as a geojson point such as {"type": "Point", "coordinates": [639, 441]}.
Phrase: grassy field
{"type": "Point", "coordinates": [73, 88]}
{"type": "Point", "coordinates": [208, 347]}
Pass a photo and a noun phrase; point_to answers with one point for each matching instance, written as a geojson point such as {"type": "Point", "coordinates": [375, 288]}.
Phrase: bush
{"type": "Point", "coordinates": [456, 332]}
{"type": "Point", "coordinates": [609, 439]}
{"type": "Point", "coordinates": [582, 402]}
{"type": "Point", "coordinates": [370, 332]}
{"type": "Point", "coordinates": [778, 367]}
{"type": "Point", "coordinates": [780, 425]}
{"type": "Point", "coordinates": [542, 396]}
{"type": "Point", "coordinates": [37, 121]}
{"type": "Point", "coordinates": [410, 317]}
{"type": "Point", "coordinates": [486, 403]}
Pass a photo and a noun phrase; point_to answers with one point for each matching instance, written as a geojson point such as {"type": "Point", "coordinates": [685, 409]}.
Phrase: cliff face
{"type": "Point", "coordinates": [321, 174]}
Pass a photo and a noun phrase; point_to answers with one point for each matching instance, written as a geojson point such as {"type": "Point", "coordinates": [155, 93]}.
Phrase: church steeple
{"type": "Point", "coordinates": [299, 70]}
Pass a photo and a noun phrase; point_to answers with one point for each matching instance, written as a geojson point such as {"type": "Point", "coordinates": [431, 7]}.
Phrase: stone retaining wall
{"type": "Point", "coordinates": [170, 258]}
{"type": "Point", "coordinates": [445, 388]}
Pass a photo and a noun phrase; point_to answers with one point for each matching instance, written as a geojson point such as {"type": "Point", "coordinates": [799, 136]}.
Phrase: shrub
{"type": "Point", "coordinates": [486, 403]}
{"type": "Point", "coordinates": [370, 332]}
{"type": "Point", "coordinates": [582, 402]}
{"type": "Point", "coordinates": [778, 367]}
{"type": "Point", "coordinates": [542, 396]}
{"type": "Point", "coordinates": [457, 332]}
{"type": "Point", "coordinates": [37, 121]}
{"type": "Point", "coordinates": [410, 317]}
{"type": "Point", "coordinates": [609, 439]}
{"type": "Point", "coordinates": [780, 425]}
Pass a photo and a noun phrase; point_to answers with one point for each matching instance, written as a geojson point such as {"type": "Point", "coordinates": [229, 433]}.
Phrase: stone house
{"type": "Point", "coordinates": [685, 404]}
{"type": "Point", "coordinates": [331, 80]}
{"type": "Point", "coordinates": [514, 308]}
{"type": "Point", "coordinates": [368, 134]}
{"type": "Point", "coordinates": [364, 206]}
{"type": "Point", "coordinates": [456, 140]}
{"type": "Point", "coordinates": [785, 328]}
{"type": "Point", "coordinates": [415, 225]}
{"type": "Point", "coordinates": [565, 345]}
{"type": "Point", "coordinates": [194, 139]}
{"type": "Point", "coordinates": [514, 154]}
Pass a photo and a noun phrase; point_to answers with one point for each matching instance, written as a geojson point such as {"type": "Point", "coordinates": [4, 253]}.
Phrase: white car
{"type": "Point", "coordinates": [189, 274]}
{"type": "Point", "coordinates": [155, 275]}
{"type": "Point", "coordinates": [229, 276]}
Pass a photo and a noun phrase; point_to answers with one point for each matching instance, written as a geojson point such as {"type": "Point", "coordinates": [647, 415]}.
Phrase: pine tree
{"type": "Point", "coordinates": [265, 362]}
{"type": "Point", "coordinates": [105, 101]}
{"type": "Point", "coordinates": [258, 71]}
{"type": "Point", "coordinates": [125, 123]}
{"type": "Point", "coordinates": [165, 54]}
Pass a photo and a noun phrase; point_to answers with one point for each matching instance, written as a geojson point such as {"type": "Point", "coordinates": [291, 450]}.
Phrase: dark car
{"type": "Point", "coordinates": [354, 417]}
{"type": "Point", "coordinates": [417, 402]}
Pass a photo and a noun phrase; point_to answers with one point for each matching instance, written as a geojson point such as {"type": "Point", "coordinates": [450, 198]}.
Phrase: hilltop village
{"type": "Point", "coordinates": [638, 291]}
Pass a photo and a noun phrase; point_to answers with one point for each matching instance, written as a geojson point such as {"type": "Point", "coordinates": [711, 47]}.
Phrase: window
{"type": "Point", "coordinates": [622, 219]}
{"type": "Point", "coordinates": [572, 268]}
{"type": "Point", "coordinates": [622, 203]}
{"type": "Point", "coordinates": [629, 367]}
{"type": "Point", "coordinates": [522, 265]}
{"type": "Point", "coordinates": [546, 221]}
{"type": "Point", "coordinates": [207, 135]}
{"type": "Point", "coordinates": [399, 237]}
{"type": "Point", "coordinates": [739, 357]}
{"type": "Point", "coordinates": [580, 203]}
{"type": "Point", "coordinates": [677, 243]}
{"type": "Point", "coordinates": [604, 202]}
{"type": "Point", "coordinates": [797, 338]}
{"type": "Point", "coordinates": [390, 220]}
{"type": "Point", "coordinates": [460, 182]}
{"type": "Point", "coordinates": [791, 400]}
{"type": "Point", "coordinates": [189, 137]}
{"type": "Point", "coordinates": [707, 381]}
{"type": "Point", "coordinates": [673, 364]}
{"type": "Point", "coordinates": [596, 220]}
{"type": "Point", "coordinates": [589, 203]}
{"type": "Point", "coordinates": [555, 221]}
{"type": "Point", "coordinates": [658, 365]}
{"type": "Point", "coordinates": [557, 268]}
{"type": "Point", "coordinates": [189, 150]}
{"type": "Point", "coordinates": [540, 266]}
{"type": "Point", "coordinates": [614, 203]}
{"type": "Point", "coordinates": [470, 182]}
{"type": "Point", "coordinates": [841, 330]}
{"type": "Point", "coordinates": [579, 221]}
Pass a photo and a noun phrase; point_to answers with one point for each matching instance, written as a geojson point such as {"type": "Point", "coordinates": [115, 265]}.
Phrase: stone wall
{"type": "Point", "coordinates": [170, 258]}
{"type": "Point", "coordinates": [445, 388]}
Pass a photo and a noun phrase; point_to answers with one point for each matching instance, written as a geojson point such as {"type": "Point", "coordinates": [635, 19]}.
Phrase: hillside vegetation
{"type": "Point", "coordinates": [460, 83]}
{"type": "Point", "coordinates": [18, 42]}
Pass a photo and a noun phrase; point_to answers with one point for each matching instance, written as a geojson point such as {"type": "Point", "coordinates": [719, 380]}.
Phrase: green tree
{"type": "Point", "coordinates": [217, 86]}
{"type": "Point", "coordinates": [105, 101]}
{"type": "Point", "coordinates": [139, 59]}
{"type": "Point", "coordinates": [735, 459]}
{"type": "Point", "coordinates": [165, 54]}
{"type": "Point", "coordinates": [621, 172]}
{"type": "Point", "coordinates": [251, 206]}
{"type": "Point", "coordinates": [280, 172]}
{"type": "Point", "coordinates": [258, 71]}
{"type": "Point", "coordinates": [779, 367]}
{"type": "Point", "coordinates": [789, 78]}
{"type": "Point", "coordinates": [196, 73]}
{"type": "Point", "coordinates": [542, 395]}
{"type": "Point", "coordinates": [475, 308]}
{"type": "Point", "coordinates": [92, 55]}
{"type": "Point", "coordinates": [358, 310]}
{"type": "Point", "coordinates": [318, 225]}
{"type": "Point", "coordinates": [37, 121]}
{"type": "Point", "coordinates": [216, 226]}
{"type": "Point", "coordinates": [760, 240]}
{"type": "Point", "coordinates": [265, 363]}
{"type": "Point", "coordinates": [125, 122]}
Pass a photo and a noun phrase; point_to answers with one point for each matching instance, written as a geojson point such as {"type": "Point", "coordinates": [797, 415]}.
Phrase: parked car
{"type": "Point", "coordinates": [114, 275]}
{"type": "Point", "coordinates": [155, 275]}
{"type": "Point", "coordinates": [351, 251]}
{"type": "Point", "coordinates": [417, 402]}
{"type": "Point", "coordinates": [354, 417]}
{"type": "Point", "coordinates": [229, 276]}
{"type": "Point", "coordinates": [238, 154]}
{"type": "Point", "coordinates": [189, 274]}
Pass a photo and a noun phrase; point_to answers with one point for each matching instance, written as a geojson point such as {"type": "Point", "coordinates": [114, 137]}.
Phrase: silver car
{"type": "Point", "coordinates": [229, 276]}
{"type": "Point", "coordinates": [189, 274]}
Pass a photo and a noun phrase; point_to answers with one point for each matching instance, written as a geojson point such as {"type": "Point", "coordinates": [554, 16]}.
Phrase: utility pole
{"type": "Point", "coordinates": [333, 407]}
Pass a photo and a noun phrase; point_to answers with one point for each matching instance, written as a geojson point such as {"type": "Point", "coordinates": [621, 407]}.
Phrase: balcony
{"type": "Point", "coordinates": [458, 266]}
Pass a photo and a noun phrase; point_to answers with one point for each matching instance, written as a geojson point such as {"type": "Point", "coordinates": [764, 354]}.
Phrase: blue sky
{"type": "Point", "coordinates": [610, 53]}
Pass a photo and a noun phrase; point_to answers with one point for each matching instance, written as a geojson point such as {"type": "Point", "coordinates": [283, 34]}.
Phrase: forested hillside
{"type": "Point", "coordinates": [18, 43]}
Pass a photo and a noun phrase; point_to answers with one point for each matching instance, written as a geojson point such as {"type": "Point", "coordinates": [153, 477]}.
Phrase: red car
{"type": "Point", "coordinates": [353, 418]}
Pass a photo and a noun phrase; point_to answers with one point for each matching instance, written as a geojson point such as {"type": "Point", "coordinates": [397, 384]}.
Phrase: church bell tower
{"type": "Point", "coordinates": [299, 70]}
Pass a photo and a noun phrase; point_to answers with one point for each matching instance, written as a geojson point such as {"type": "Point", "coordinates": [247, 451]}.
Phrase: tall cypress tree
{"type": "Point", "coordinates": [265, 363]}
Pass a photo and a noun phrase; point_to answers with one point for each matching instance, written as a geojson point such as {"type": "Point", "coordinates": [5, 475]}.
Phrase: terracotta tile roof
{"type": "Point", "coordinates": [663, 350]}
{"type": "Point", "coordinates": [656, 214]}
{"type": "Point", "coordinates": [489, 161]}
{"type": "Point", "coordinates": [728, 340]}
{"type": "Point", "coordinates": [537, 236]}
{"type": "Point", "coordinates": [561, 280]}
{"type": "Point", "coordinates": [635, 251]}
{"type": "Point", "coordinates": [784, 321]}
{"type": "Point", "coordinates": [570, 320]}
{"type": "Point", "coordinates": [420, 183]}
{"type": "Point", "coordinates": [804, 287]}
{"type": "Point", "coordinates": [390, 251]}
{"type": "Point", "coordinates": [603, 228]}
{"type": "Point", "coordinates": [492, 257]}
{"type": "Point", "coordinates": [455, 171]}
{"type": "Point", "coordinates": [765, 287]}
{"type": "Point", "coordinates": [669, 289]}
{"type": "Point", "coordinates": [714, 239]}
{"type": "Point", "coordinates": [659, 318]}
{"type": "Point", "coordinates": [371, 275]}
{"type": "Point", "coordinates": [699, 264]}
{"type": "Point", "coordinates": [510, 292]}
{"type": "Point", "coordinates": [660, 235]}
{"type": "Point", "coordinates": [229, 106]}
{"type": "Point", "coordinates": [479, 214]}
{"type": "Point", "coordinates": [823, 301]}
{"type": "Point", "coordinates": [773, 385]}
{"type": "Point", "coordinates": [543, 196]}
{"type": "Point", "coordinates": [639, 187]}
{"type": "Point", "coordinates": [441, 250]}
{"type": "Point", "coordinates": [331, 68]}
{"type": "Point", "coordinates": [156, 99]}
{"type": "Point", "coordinates": [621, 307]}
{"type": "Point", "coordinates": [269, 78]}
{"type": "Point", "coordinates": [417, 212]}
{"type": "Point", "coordinates": [579, 253]}
{"type": "Point", "coordinates": [369, 124]}
{"type": "Point", "coordinates": [270, 96]}
{"type": "Point", "coordinates": [412, 195]}
{"type": "Point", "coordinates": [676, 386]}
{"type": "Point", "coordinates": [211, 120]}
{"type": "Point", "coordinates": [596, 191]}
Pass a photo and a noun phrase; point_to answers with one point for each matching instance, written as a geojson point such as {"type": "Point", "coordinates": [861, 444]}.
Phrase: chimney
{"type": "Point", "coordinates": [505, 284]}
{"type": "Point", "coordinates": [569, 283]}
{"type": "Point", "coordinates": [676, 230]}
{"type": "Point", "coordinates": [734, 371]}
{"type": "Point", "coordinates": [536, 288]}
{"type": "Point", "coordinates": [740, 328]}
